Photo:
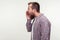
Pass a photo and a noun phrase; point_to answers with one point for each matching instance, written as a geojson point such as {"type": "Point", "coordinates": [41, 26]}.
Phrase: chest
{"type": "Point", "coordinates": [36, 24]}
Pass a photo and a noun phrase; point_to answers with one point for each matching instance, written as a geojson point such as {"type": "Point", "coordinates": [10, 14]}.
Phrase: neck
{"type": "Point", "coordinates": [37, 14]}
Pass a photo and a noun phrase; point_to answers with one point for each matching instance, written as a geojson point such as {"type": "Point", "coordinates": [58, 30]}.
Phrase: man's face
{"type": "Point", "coordinates": [30, 10]}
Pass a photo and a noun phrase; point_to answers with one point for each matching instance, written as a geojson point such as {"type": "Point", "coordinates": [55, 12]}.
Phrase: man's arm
{"type": "Point", "coordinates": [29, 25]}
{"type": "Point", "coordinates": [45, 30]}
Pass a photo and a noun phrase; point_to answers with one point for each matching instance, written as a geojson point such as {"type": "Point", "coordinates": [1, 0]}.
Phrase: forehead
{"type": "Point", "coordinates": [30, 5]}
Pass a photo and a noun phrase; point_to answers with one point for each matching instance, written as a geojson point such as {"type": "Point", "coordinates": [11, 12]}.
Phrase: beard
{"type": "Point", "coordinates": [32, 16]}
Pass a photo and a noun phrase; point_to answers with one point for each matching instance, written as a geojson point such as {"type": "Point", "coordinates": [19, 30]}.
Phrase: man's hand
{"type": "Point", "coordinates": [27, 15]}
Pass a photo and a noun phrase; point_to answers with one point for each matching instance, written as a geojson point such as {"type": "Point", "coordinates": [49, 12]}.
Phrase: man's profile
{"type": "Point", "coordinates": [40, 27]}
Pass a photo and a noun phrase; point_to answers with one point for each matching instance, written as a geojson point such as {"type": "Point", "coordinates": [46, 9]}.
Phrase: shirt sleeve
{"type": "Point", "coordinates": [29, 25]}
{"type": "Point", "coordinates": [45, 30]}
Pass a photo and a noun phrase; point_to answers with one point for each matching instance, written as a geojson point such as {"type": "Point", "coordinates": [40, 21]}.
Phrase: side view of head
{"type": "Point", "coordinates": [33, 7]}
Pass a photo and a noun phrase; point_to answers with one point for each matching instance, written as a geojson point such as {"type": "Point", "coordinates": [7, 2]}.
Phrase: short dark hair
{"type": "Point", "coordinates": [35, 5]}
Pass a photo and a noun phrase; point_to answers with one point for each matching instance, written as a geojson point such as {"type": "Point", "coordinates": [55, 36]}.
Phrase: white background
{"type": "Point", "coordinates": [13, 20]}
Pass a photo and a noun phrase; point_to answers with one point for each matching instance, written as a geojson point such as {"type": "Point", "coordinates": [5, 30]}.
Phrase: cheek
{"type": "Point", "coordinates": [30, 11]}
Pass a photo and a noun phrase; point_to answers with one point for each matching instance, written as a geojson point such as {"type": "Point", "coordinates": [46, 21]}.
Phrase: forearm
{"type": "Point", "coordinates": [29, 25]}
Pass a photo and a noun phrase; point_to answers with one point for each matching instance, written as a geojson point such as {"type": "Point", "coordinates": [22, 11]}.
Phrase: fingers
{"type": "Point", "coordinates": [27, 15]}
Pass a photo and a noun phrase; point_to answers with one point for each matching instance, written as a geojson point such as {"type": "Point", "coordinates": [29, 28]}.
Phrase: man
{"type": "Point", "coordinates": [40, 27]}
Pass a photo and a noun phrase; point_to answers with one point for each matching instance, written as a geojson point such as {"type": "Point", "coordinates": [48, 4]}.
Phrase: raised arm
{"type": "Point", "coordinates": [29, 25]}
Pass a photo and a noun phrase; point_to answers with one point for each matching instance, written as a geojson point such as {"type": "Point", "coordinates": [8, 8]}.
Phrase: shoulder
{"type": "Point", "coordinates": [44, 19]}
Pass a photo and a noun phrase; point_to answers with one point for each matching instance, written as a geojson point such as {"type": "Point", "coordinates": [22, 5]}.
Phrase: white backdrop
{"type": "Point", "coordinates": [13, 20]}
